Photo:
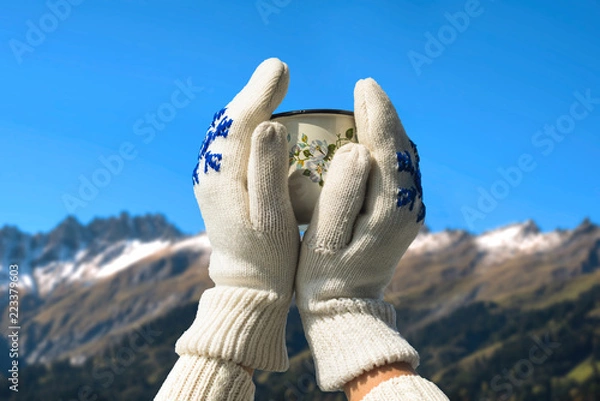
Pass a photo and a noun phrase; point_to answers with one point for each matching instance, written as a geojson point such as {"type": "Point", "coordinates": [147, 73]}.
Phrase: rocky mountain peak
{"type": "Point", "coordinates": [68, 232]}
{"type": "Point", "coordinates": [53, 257]}
{"type": "Point", "coordinates": [529, 227]}
{"type": "Point", "coordinates": [586, 227]}
{"type": "Point", "coordinates": [145, 228]}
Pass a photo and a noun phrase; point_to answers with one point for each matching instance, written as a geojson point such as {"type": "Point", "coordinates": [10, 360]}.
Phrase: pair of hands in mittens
{"type": "Point", "coordinates": [368, 213]}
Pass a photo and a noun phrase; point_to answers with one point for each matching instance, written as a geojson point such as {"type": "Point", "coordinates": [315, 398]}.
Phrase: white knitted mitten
{"type": "Point", "coordinates": [240, 183]}
{"type": "Point", "coordinates": [368, 213]}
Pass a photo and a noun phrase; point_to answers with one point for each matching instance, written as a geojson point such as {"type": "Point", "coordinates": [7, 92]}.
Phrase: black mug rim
{"type": "Point", "coordinates": [312, 111]}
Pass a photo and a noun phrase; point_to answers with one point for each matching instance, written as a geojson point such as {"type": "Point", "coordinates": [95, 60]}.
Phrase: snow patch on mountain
{"type": "Point", "coordinates": [132, 252]}
{"type": "Point", "coordinates": [16, 249]}
{"type": "Point", "coordinates": [82, 267]}
{"type": "Point", "coordinates": [73, 252]}
{"type": "Point", "coordinates": [427, 242]}
{"type": "Point", "coordinates": [523, 238]}
{"type": "Point", "coordinates": [51, 275]}
{"type": "Point", "coordinates": [496, 246]}
{"type": "Point", "coordinates": [199, 242]}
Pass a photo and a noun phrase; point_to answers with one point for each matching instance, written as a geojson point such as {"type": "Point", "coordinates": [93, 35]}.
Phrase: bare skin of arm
{"type": "Point", "coordinates": [361, 386]}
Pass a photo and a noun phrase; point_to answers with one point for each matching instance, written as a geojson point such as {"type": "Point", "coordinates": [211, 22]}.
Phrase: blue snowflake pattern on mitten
{"type": "Point", "coordinates": [218, 128]}
{"type": "Point", "coordinates": [407, 196]}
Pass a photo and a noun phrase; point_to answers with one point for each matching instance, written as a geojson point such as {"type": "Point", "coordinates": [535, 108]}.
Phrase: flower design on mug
{"type": "Point", "coordinates": [314, 157]}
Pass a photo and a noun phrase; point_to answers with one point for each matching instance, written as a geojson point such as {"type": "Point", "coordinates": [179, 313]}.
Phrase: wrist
{"type": "Point", "coordinates": [357, 388]}
{"type": "Point", "coordinates": [405, 387]}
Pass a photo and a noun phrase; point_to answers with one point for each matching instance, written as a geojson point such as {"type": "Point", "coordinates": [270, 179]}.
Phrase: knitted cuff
{"type": "Point", "coordinates": [196, 378]}
{"type": "Point", "coordinates": [241, 325]}
{"type": "Point", "coordinates": [406, 388]}
{"type": "Point", "coordinates": [351, 336]}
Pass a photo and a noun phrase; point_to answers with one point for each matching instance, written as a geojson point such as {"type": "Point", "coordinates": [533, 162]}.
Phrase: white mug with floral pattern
{"type": "Point", "coordinates": [313, 138]}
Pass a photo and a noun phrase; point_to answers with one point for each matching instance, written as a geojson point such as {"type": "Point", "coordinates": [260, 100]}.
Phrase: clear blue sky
{"type": "Point", "coordinates": [473, 106]}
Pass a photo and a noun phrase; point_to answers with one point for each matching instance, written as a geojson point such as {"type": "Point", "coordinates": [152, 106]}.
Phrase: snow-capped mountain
{"type": "Point", "coordinates": [73, 253]}
{"type": "Point", "coordinates": [498, 244]}
{"type": "Point", "coordinates": [83, 286]}
{"type": "Point", "coordinates": [89, 285]}
{"type": "Point", "coordinates": [516, 263]}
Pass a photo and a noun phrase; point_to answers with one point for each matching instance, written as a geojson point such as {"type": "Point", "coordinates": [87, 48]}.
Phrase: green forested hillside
{"type": "Point", "coordinates": [483, 351]}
